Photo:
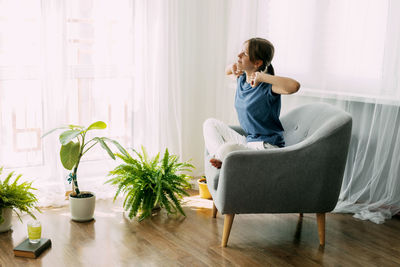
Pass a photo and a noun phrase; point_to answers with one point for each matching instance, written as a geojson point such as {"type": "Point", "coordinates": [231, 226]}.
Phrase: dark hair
{"type": "Point", "coordinates": [262, 49]}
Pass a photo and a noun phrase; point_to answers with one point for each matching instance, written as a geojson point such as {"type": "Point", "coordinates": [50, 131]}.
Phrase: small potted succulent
{"type": "Point", "coordinates": [73, 146]}
{"type": "Point", "coordinates": [151, 183]}
{"type": "Point", "coordinates": [17, 197]}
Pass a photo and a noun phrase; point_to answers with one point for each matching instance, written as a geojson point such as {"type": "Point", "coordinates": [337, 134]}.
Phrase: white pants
{"type": "Point", "coordinates": [220, 140]}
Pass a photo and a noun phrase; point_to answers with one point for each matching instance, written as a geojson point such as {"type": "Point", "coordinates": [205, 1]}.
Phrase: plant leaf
{"type": "Point", "coordinates": [67, 136]}
{"type": "Point", "coordinates": [73, 126]}
{"type": "Point", "coordinates": [105, 146]}
{"type": "Point", "coordinates": [97, 125]}
{"type": "Point", "coordinates": [69, 154]}
{"type": "Point", "coordinates": [118, 145]}
{"type": "Point", "coordinates": [53, 130]}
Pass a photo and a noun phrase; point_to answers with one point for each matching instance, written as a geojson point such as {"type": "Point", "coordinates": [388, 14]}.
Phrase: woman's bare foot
{"type": "Point", "coordinates": [216, 163]}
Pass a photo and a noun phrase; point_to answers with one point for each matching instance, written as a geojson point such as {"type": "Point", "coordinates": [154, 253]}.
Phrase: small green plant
{"type": "Point", "coordinates": [74, 146]}
{"type": "Point", "coordinates": [18, 197]}
{"type": "Point", "coordinates": [147, 183]}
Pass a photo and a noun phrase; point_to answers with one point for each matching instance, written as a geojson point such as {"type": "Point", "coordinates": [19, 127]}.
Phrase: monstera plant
{"type": "Point", "coordinates": [74, 145]}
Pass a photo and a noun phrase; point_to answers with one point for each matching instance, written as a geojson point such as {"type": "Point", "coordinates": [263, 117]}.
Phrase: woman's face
{"type": "Point", "coordinates": [243, 61]}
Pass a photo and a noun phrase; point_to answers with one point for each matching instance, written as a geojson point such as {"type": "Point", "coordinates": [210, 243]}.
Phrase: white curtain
{"type": "Point", "coordinates": [133, 64]}
{"type": "Point", "coordinates": [202, 46]}
{"type": "Point", "coordinates": [63, 62]}
{"type": "Point", "coordinates": [345, 53]}
{"type": "Point", "coordinates": [157, 122]}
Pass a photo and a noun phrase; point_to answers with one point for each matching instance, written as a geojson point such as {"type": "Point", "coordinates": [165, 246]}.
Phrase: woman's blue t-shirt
{"type": "Point", "coordinates": [258, 110]}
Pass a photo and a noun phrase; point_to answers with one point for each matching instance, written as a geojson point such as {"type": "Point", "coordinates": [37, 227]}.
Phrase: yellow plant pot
{"type": "Point", "coordinates": [203, 189]}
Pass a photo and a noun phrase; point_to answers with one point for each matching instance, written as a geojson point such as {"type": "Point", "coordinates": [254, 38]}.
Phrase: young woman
{"type": "Point", "coordinates": [257, 103]}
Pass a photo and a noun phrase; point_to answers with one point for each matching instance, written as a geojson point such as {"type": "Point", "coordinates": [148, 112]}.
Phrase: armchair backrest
{"type": "Point", "coordinates": [312, 121]}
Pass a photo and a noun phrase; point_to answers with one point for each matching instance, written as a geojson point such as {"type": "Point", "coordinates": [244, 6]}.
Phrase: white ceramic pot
{"type": "Point", "coordinates": [82, 209]}
{"type": "Point", "coordinates": [7, 216]}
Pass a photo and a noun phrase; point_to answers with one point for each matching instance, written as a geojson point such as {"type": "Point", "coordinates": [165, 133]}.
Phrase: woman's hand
{"type": "Point", "coordinates": [280, 85]}
{"type": "Point", "coordinates": [255, 78]}
{"type": "Point", "coordinates": [235, 70]}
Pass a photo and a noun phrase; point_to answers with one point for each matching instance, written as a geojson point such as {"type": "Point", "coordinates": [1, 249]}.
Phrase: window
{"type": "Point", "coordinates": [20, 84]}
{"type": "Point", "coordinates": [69, 62]}
{"type": "Point", "coordinates": [100, 65]}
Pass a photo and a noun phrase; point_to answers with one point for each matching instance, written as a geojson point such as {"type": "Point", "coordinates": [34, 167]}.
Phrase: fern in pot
{"type": "Point", "coordinates": [17, 197]}
{"type": "Point", "coordinates": [148, 183]}
{"type": "Point", "coordinates": [74, 145]}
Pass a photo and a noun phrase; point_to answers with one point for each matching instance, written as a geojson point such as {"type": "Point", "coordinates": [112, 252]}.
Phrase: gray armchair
{"type": "Point", "coordinates": [303, 177]}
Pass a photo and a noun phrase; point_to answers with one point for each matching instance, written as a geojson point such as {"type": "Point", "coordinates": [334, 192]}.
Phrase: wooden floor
{"type": "Point", "coordinates": [255, 240]}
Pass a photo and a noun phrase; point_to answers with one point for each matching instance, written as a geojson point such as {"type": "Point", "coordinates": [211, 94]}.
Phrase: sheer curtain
{"type": "Point", "coordinates": [202, 39]}
{"type": "Point", "coordinates": [157, 122]}
{"type": "Point", "coordinates": [63, 62]}
{"type": "Point", "coordinates": [344, 53]}
{"type": "Point", "coordinates": [133, 64]}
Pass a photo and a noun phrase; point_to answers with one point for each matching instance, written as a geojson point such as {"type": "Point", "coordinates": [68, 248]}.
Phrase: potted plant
{"type": "Point", "coordinates": [149, 183]}
{"type": "Point", "coordinates": [15, 197]}
{"type": "Point", "coordinates": [203, 189]}
{"type": "Point", "coordinates": [73, 146]}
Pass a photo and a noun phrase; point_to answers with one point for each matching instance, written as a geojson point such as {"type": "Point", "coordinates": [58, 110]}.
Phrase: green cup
{"type": "Point", "coordinates": [34, 231]}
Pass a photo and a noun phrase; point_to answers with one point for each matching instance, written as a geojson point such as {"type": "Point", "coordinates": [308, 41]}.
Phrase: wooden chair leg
{"type": "Point", "coordinates": [301, 214]}
{"type": "Point", "coordinates": [214, 211]}
{"type": "Point", "coordinates": [321, 228]}
{"type": "Point", "coordinates": [227, 228]}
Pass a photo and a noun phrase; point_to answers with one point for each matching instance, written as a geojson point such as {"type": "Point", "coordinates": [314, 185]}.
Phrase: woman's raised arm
{"type": "Point", "coordinates": [233, 69]}
{"type": "Point", "coordinates": [280, 85]}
